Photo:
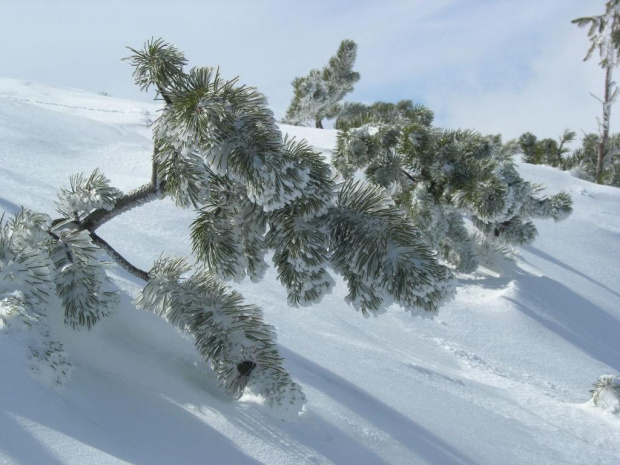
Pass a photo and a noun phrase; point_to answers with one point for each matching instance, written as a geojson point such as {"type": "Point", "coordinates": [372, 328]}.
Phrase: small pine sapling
{"type": "Point", "coordinates": [606, 394]}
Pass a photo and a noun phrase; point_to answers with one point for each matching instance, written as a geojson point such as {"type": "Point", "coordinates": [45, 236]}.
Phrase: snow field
{"type": "Point", "coordinates": [501, 375]}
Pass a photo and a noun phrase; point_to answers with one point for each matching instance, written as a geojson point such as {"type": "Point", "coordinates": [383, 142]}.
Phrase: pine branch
{"type": "Point", "coordinates": [118, 258]}
{"type": "Point", "coordinates": [86, 292]}
{"type": "Point", "coordinates": [144, 194]}
{"type": "Point", "coordinates": [163, 94]}
{"type": "Point", "coordinates": [413, 180]}
{"type": "Point", "coordinates": [67, 250]}
{"type": "Point", "coordinates": [97, 218]}
{"type": "Point", "coordinates": [230, 335]}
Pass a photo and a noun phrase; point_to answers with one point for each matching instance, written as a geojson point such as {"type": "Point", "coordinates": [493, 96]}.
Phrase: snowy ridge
{"type": "Point", "coordinates": [501, 375]}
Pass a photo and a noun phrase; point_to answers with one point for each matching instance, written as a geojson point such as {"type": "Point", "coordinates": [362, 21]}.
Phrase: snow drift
{"type": "Point", "coordinates": [502, 375]}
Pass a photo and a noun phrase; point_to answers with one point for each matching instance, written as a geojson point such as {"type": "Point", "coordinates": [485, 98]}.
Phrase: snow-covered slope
{"type": "Point", "coordinates": [501, 376]}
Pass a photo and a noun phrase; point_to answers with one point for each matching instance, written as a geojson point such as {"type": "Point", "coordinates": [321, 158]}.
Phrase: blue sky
{"type": "Point", "coordinates": [498, 66]}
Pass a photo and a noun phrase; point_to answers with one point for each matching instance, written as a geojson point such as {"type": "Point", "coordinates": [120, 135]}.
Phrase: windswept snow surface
{"type": "Point", "coordinates": [500, 376]}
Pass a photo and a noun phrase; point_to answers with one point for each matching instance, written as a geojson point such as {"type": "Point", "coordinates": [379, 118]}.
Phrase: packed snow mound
{"type": "Point", "coordinates": [500, 376]}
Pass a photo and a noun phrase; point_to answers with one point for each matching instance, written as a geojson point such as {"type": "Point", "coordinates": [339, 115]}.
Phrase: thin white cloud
{"type": "Point", "coordinates": [550, 95]}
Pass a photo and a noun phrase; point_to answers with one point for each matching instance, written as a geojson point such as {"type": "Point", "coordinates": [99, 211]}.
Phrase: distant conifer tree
{"type": "Point", "coordinates": [604, 34]}
{"type": "Point", "coordinates": [583, 162]}
{"type": "Point", "coordinates": [546, 151]}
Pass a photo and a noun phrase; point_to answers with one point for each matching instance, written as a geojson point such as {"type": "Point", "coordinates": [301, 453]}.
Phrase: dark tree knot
{"type": "Point", "coordinates": [245, 368]}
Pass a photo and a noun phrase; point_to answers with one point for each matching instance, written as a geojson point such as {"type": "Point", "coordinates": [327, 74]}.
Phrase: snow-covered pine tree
{"type": "Point", "coordinates": [604, 34]}
{"type": "Point", "coordinates": [583, 162]}
{"type": "Point", "coordinates": [218, 150]}
{"type": "Point", "coordinates": [546, 151]}
{"type": "Point", "coordinates": [441, 178]}
{"type": "Point", "coordinates": [316, 95]}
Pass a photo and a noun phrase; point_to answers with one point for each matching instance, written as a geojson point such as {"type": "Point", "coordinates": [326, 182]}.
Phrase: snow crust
{"type": "Point", "coordinates": [502, 375]}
